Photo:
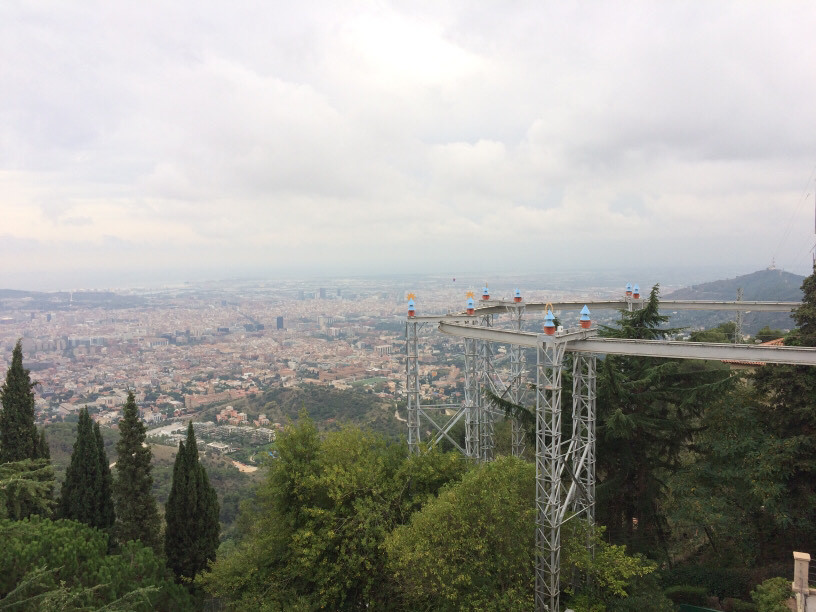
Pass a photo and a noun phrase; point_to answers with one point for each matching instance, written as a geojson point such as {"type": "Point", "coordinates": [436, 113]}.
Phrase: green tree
{"type": "Point", "coordinates": [772, 595]}
{"type": "Point", "coordinates": [47, 563]}
{"type": "Point", "coordinates": [26, 487]}
{"type": "Point", "coordinates": [107, 515]}
{"type": "Point", "coordinates": [191, 512]}
{"type": "Point", "coordinates": [19, 438]}
{"type": "Point", "coordinates": [788, 421]}
{"type": "Point", "coordinates": [723, 333]}
{"type": "Point", "coordinates": [647, 416]}
{"type": "Point", "coordinates": [137, 516]}
{"type": "Point", "coordinates": [766, 334]}
{"type": "Point", "coordinates": [85, 494]}
{"type": "Point", "coordinates": [473, 548]}
{"type": "Point", "coordinates": [313, 537]}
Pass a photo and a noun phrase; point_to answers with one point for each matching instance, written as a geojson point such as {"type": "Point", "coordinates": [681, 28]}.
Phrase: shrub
{"type": "Point", "coordinates": [684, 593]}
{"type": "Point", "coordinates": [737, 605]}
{"type": "Point", "coordinates": [720, 581]}
{"type": "Point", "coordinates": [771, 595]}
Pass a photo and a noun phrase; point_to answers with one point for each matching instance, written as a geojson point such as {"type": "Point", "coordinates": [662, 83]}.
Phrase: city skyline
{"type": "Point", "coordinates": [153, 144]}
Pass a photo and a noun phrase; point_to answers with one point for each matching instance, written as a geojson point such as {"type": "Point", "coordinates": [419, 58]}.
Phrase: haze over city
{"type": "Point", "coordinates": [149, 143]}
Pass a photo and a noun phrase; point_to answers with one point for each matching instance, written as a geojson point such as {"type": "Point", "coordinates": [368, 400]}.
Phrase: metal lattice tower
{"type": "Point", "coordinates": [487, 380]}
{"type": "Point", "coordinates": [738, 321]}
{"type": "Point", "coordinates": [549, 462]}
{"type": "Point", "coordinates": [472, 399]}
{"type": "Point", "coordinates": [517, 389]}
{"type": "Point", "coordinates": [412, 384]}
{"type": "Point", "coordinates": [582, 444]}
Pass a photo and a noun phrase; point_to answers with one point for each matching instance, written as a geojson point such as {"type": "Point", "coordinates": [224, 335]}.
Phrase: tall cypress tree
{"type": "Point", "coordinates": [19, 438]}
{"type": "Point", "coordinates": [137, 516]}
{"type": "Point", "coordinates": [107, 516]}
{"type": "Point", "coordinates": [191, 512]}
{"type": "Point", "coordinates": [85, 494]}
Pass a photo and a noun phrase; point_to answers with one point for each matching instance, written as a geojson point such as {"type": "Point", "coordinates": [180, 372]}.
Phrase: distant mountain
{"type": "Point", "coordinates": [764, 285]}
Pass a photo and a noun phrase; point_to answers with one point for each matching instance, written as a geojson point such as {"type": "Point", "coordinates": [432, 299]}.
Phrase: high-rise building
{"type": "Point", "coordinates": [322, 293]}
{"type": "Point", "coordinates": [279, 323]}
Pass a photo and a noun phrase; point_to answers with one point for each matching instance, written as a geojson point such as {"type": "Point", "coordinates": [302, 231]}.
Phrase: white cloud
{"type": "Point", "coordinates": [400, 136]}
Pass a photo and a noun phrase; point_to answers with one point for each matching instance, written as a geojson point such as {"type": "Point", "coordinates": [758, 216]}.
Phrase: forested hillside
{"type": "Point", "coordinates": [763, 285]}
{"type": "Point", "coordinates": [330, 408]}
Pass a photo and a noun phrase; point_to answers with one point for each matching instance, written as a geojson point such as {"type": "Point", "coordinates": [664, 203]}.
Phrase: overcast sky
{"type": "Point", "coordinates": [196, 139]}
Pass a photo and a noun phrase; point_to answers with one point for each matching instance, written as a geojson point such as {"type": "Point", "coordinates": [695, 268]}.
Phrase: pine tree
{"type": "Point", "coordinates": [85, 494]}
{"type": "Point", "coordinates": [191, 512]}
{"type": "Point", "coordinates": [788, 421]}
{"type": "Point", "coordinates": [19, 438]}
{"type": "Point", "coordinates": [137, 516]}
{"type": "Point", "coordinates": [647, 413]}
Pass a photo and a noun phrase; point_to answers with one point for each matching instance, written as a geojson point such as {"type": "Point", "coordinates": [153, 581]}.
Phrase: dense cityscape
{"type": "Point", "coordinates": [181, 349]}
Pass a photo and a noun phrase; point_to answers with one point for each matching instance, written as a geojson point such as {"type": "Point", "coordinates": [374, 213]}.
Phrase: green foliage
{"type": "Point", "coordinates": [137, 517]}
{"type": "Point", "coordinates": [684, 593]}
{"type": "Point", "coordinates": [191, 512]}
{"type": "Point", "coordinates": [766, 334]}
{"type": "Point", "coordinates": [19, 438]}
{"type": "Point", "coordinates": [26, 487]}
{"type": "Point", "coordinates": [330, 408]}
{"type": "Point", "coordinates": [607, 567]}
{"type": "Point", "coordinates": [472, 547]}
{"type": "Point", "coordinates": [771, 595]}
{"type": "Point", "coordinates": [46, 564]}
{"type": "Point", "coordinates": [313, 536]}
{"type": "Point", "coordinates": [737, 605]}
{"type": "Point", "coordinates": [61, 438]}
{"type": "Point", "coordinates": [788, 423]}
{"type": "Point", "coordinates": [85, 494]}
{"type": "Point", "coordinates": [724, 333]}
{"type": "Point", "coordinates": [647, 413]}
{"type": "Point", "coordinates": [106, 512]}
{"type": "Point", "coordinates": [721, 582]}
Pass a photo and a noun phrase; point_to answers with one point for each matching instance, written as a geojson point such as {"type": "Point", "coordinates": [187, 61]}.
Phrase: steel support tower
{"type": "Point", "coordinates": [549, 462]}
{"type": "Point", "coordinates": [472, 399]}
{"type": "Point", "coordinates": [517, 385]}
{"type": "Point", "coordinates": [412, 383]}
{"type": "Point", "coordinates": [582, 444]}
{"type": "Point", "coordinates": [487, 380]}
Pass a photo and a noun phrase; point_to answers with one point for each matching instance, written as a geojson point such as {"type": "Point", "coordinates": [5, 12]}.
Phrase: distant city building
{"type": "Point", "coordinates": [279, 323]}
{"type": "Point", "coordinates": [322, 293]}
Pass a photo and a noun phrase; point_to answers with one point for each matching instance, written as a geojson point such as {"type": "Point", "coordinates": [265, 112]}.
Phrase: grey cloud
{"type": "Point", "coordinates": [275, 132]}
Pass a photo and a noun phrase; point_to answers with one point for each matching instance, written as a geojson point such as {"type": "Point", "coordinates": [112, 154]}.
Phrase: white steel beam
{"type": "Point", "coordinates": [499, 307]}
{"type": "Point", "coordinates": [579, 342]}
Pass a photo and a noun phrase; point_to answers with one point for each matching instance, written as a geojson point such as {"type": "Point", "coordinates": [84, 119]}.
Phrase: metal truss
{"type": "Point", "coordinates": [582, 443]}
{"type": "Point", "coordinates": [550, 460]}
{"type": "Point", "coordinates": [473, 399]}
{"type": "Point", "coordinates": [517, 388]}
{"type": "Point", "coordinates": [488, 379]}
{"type": "Point", "coordinates": [412, 384]}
